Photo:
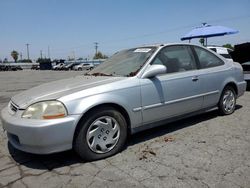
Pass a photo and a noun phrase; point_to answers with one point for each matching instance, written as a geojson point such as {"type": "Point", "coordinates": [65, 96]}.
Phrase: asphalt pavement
{"type": "Point", "coordinates": [207, 150]}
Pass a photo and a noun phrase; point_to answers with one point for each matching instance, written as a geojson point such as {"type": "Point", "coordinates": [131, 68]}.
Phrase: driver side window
{"type": "Point", "coordinates": [176, 59]}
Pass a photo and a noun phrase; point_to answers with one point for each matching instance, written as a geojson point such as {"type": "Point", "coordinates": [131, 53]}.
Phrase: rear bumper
{"type": "Point", "coordinates": [241, 88]}
{"type": "Point", "coordinates": [39, 136]}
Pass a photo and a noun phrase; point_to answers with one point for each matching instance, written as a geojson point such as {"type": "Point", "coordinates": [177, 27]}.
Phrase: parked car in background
{"type": "Point", "coordinates": [246, 70]}
{"type": "Point", "coordinates": [133, 90]}
{"type": "Point", "coordinates": [84, 66]}
{"type": "Point", "coordinates": [35, 67]}
{"type": "Point", "coordinates": [3, 67]}
{"type": "Point", "coordinates": [15, 67]}
{"type": "Point", "coordinates": [225, 52]}
{"type": "Point", "coordinates": [69, 66]}
{"type": "Point", "coordinates": [10, 68]}
{"type": "Point", "coordinates": [58, 66]}
{"type": "Point", "coordinates": [241, 54]}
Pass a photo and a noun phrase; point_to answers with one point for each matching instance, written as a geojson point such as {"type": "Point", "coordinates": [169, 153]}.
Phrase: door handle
{"type": "Point", "coordinates": [195, 78]}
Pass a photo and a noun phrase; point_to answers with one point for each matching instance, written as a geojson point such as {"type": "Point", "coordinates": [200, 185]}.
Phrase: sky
{"type": "Point", "coordinates": [69, 28]}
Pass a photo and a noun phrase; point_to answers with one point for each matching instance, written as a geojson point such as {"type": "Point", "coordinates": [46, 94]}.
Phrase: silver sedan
{"type": "Point", "coordinates": [135, 89]}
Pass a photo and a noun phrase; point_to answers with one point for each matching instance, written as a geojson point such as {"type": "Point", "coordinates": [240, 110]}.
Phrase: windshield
{"type": "Point", "coordinates": [69, 65]}
{"type": "Point", "coordinates": [124, 63]}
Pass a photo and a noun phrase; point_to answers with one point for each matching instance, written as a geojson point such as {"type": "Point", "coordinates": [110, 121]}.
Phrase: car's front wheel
{"type": "Point", "coordinates": [227, 101]}
{"type": "Point", "coordinates": [101, 134]}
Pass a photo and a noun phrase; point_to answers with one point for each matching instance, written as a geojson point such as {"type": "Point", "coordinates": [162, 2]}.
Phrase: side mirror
{"type": "Point", "coordinates": [154, 70]}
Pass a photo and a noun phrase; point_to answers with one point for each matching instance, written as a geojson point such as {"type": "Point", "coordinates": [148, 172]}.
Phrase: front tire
{"type": "Point", "coordinates": [101, 134]}
{"type": "Point", "coordinates": [227, 101]}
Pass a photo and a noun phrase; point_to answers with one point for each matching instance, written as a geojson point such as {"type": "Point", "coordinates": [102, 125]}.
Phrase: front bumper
{"type": "Point", "coordinates": [39, 136]}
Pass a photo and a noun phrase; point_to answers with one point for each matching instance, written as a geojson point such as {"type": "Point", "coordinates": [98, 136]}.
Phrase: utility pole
{"type": "Point", "coordinates": [96, 47]}
{"type": "Point", "coordinates": [41, 54]}
{"type": "Point", "coordinates": [48, 52]}
{"type": "Point", "coordinates": [28, 50]}
{"type": "Point", "coordinates": [74, 57]}
{"type": "Point", "coordinates": [21, 55]}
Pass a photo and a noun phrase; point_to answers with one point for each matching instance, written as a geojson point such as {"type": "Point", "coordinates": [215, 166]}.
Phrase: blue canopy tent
{"type": "Point", "coordinates": [206, 31]}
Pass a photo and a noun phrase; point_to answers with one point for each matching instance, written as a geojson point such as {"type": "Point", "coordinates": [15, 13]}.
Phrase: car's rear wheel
{"type": "Point", "coordinates": [101, 134]}
{"type": "Point", "coordinates": [227, 101]}
{"type": "Point", "coordinates": [79, 69]}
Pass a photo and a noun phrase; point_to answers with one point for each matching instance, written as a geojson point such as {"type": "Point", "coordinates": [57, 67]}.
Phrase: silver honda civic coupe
{"type": "Point", "coordinates": [133, 90]}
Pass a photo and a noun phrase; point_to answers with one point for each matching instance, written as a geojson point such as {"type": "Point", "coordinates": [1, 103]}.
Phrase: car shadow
{"type": "Point", "coordinates": [174, 126]}
{"type": "Point", "coordinates": [44, 162]}
{"type": "Point", "coordinates": [67, 158]}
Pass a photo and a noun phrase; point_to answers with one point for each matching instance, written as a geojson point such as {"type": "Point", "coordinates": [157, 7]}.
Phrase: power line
{"type": "Point", "coordinates": [152, 34]}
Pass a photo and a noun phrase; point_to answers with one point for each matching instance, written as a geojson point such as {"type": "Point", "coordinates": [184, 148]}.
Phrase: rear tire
{"type": "Point", "coordinates": [227, 101]}
{"type": "Point", "coordinates": [101, 134]}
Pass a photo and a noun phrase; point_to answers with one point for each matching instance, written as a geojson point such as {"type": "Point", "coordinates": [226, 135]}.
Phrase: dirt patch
{"type": "Point", "coordinates": [147, 153]}
{"type": "Point", "coordinates": [168, 139]}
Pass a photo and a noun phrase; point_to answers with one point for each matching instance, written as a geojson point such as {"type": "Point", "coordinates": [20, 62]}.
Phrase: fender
{"type": "Point", "coordinates": [128, 99]}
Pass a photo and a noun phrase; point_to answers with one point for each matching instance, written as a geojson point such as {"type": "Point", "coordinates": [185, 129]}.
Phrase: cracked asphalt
{"type": "Point", "coordinates": [207, 150]}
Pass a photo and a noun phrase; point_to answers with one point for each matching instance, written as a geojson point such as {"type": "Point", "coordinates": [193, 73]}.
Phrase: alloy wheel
{"type": "Point", "coordinates": [228, 101]}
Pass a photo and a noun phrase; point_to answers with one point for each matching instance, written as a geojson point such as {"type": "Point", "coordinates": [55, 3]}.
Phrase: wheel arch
{"type": "Point", "coordinates": [118, 107]}
{"type": "Point", "coordinates": [233, 85]}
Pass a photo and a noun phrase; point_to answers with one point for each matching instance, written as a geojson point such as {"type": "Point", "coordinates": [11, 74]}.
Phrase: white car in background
{"type": "Point", "coordinates": [225, 52]}
{"type": "Point", "coordinates": [84, 66]}
{"type": "Point", "coordinates": [58, 66]}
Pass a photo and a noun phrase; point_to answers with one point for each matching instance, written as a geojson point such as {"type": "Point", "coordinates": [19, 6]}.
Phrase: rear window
{"type": "Point", "coordinates": [207, 59]}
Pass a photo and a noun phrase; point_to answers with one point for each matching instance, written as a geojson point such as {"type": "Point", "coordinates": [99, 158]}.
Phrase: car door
{"type": "Point", "coordinates": [213, 72]}
{"type": "Point", "coordinates": [175, 93]}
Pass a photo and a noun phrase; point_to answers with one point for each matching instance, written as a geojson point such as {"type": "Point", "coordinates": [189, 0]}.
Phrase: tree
{"type": "Point", "coordinates": [228, 46]}
{"type": "Point", "coordinates": [14, 55]}
{"type": "Point", "coordinates": [99, 55]}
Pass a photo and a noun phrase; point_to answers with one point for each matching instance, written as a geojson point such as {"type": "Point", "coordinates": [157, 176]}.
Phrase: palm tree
{"type": "Point", "coordinates": [14, 55]}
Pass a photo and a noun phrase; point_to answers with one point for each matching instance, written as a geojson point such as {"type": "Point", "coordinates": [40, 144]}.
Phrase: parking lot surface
{"type": "Point", "coordinates": [203, 151]}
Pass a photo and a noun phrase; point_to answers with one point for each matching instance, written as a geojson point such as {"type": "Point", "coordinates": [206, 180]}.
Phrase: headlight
{"type": "Point", "coordinates": [45, 110]}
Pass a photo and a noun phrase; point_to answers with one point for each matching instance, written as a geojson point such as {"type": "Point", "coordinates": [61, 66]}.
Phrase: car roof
{"type": "Point", "coordinates": [166, 44]}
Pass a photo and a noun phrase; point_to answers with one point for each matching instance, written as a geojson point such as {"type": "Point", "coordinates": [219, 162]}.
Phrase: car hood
{"type": "Point", "coordinates": [60, 88]}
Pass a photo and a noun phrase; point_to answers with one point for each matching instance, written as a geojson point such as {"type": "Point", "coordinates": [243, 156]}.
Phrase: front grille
{"type": "Point", "coordinates": [13, 107]}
